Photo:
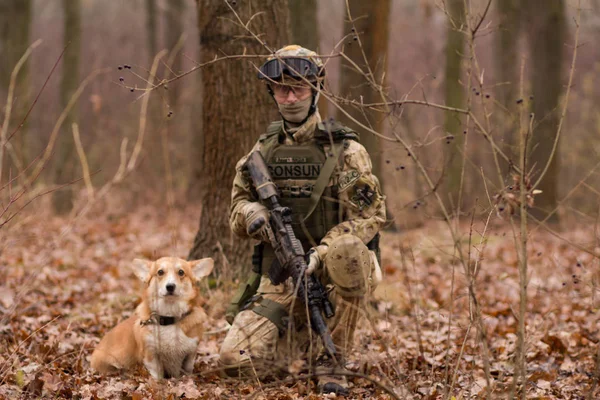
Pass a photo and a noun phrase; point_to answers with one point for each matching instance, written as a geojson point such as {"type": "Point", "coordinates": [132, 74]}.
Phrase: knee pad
{"type": "Point", "coordinates": [348, 266]}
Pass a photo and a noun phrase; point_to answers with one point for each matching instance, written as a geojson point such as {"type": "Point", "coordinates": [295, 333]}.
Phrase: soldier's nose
{"type": "Point", "coordinates": [170, 288]}
{"type": "Point", "coordinates": [291, 97]}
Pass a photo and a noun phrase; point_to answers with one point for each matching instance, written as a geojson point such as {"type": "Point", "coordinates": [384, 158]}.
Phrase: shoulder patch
{"type": "Point", "coordinates": [347, 178]}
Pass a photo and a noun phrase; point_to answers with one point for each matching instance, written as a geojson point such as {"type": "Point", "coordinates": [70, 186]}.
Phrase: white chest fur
{"type": "Point", "coordinates": [171, 348]}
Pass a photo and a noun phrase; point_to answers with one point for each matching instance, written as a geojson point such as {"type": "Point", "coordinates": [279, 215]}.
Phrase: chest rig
{"type": "Point", "coordinates": [302, 174]}
{"type": "Point", "coordinates": [295, 170]}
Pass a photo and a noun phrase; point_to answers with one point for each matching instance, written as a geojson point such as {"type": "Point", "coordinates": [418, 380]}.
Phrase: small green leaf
{"type": "Point", "coordinates": [20, 378]}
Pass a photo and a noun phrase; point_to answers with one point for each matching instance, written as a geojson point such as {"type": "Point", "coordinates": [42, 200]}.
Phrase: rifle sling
{"type": "Point", "coordinates": [324, 177]}
{"type": "Point", "coordinates": [273, 311]}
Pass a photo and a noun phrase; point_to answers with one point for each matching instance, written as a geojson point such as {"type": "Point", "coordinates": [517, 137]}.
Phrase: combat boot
{"type": "Point", "coordinates": [328, 380]}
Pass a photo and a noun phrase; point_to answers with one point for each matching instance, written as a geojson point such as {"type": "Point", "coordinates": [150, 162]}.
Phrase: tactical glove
{"type": "Point", "coordinates": [257, 221]}
{"type": "Point", "coordinates": [314, 260]}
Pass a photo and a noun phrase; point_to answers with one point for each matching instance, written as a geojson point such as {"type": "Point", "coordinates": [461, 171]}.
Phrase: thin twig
{"type": "Point", "coordinates": [83, 159]}
{"type": "Point", "coordinates": [143, 115]}
{"type": "Point", "coordinates": [9, 101]}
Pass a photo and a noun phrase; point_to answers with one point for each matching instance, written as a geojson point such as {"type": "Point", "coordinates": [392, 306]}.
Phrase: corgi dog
{"type": "Point", "coordinates": [166, 327]}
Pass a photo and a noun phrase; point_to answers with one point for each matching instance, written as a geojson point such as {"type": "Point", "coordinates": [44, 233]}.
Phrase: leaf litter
{"type": "Point", "coordinates": [62, 289]}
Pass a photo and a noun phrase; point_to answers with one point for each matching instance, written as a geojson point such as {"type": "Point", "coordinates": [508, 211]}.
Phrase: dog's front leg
{"type": "Point", "coordinates": [188, 363]}
{"type": "Point", "coordinates": [153, 365]}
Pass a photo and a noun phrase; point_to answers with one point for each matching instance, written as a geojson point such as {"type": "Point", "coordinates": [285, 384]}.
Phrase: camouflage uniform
{"type": "Point", "coordinates": [347, 267]}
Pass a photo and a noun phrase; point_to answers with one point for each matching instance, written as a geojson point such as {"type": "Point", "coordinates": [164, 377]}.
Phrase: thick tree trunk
{"type": "Point", "coordinates": [65, 163]}
{"type": "Point", "coordinates": [371, 21]}
{"type": "Point", "coordinates": [305, 32]}
{"type": "Point", "coordinates": [156, 107]}
{"type": "Point", "coordinates": [546, 41]}
{"type": "Point", "coordinates": [173, 32]}
{"type": "Point", "coordinates": [454, 94]}
{"type": "Point", "coordinates": [303, 23]}
{"type": "Point", "coordinates": [236, 110]}
{"type": "Point", "coordinates": [151, 28]}
{"type": "Point", "coordinates": [507, 64]}
{"type": "Point", "coordinates": [194, 189]}
{"type": "Point", "coordinates": [15, 21]}
{"type": "Point", "coordinates": [507, 50]}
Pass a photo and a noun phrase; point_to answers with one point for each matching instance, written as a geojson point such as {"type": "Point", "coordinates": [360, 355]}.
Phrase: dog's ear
{"type": "Point", "coordinates": [202, 267]}
{"type": "Point", "coordinates": [141, 269]}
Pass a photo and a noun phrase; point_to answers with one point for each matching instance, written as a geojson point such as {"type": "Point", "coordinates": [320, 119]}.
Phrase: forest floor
{"type": "Point", "coordinates": [65, 282]}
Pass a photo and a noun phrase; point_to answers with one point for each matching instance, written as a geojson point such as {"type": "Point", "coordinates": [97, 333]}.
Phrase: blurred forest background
{"type": "Point", "coordinates": [410, 43]}
{"type": "Point", "coordinates": [121, 122]}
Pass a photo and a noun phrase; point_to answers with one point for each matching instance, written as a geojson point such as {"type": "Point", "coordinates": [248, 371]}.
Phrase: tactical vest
{"type": "Point", "coordinates": [295, 170]}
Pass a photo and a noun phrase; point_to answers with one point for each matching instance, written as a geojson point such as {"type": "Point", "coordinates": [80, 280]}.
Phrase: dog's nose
{"type": "Point", "coordinates": [170, 287]}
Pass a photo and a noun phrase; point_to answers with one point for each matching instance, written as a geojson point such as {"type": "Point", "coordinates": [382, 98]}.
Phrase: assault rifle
{"type": "Point", "coordinates": [288, 250]}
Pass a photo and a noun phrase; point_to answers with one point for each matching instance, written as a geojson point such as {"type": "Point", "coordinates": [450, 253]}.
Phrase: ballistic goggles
{"type": "Point", "coordinates": [293, 66]}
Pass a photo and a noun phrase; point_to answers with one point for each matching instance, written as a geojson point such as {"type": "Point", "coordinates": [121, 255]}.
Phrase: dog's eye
{"type": "Point", "coordinates": [160, 272]}
{"type": "Point", "coordinates": [181, 273]}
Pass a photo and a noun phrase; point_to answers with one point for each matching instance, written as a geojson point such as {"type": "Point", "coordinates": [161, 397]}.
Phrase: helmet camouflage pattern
{"type": "Point", "coordinates": [292, 60]}
{"type": "Point", "coordinates": [293, 50]}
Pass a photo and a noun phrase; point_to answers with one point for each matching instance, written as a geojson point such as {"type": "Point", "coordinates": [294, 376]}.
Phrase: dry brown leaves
{"type": "Point", "coordinates": [61, 290]}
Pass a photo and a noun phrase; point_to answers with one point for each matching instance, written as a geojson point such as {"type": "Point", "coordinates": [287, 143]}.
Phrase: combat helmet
{"type": "Point", "coordinates": [297, 62]}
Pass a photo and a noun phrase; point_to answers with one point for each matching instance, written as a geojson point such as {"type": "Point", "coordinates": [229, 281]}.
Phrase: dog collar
{"type": "Point", "coordinates": [163, 320]}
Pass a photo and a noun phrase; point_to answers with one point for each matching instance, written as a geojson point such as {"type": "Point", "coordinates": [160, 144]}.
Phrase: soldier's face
{"type": "Point", "coordinates": [291, 92]}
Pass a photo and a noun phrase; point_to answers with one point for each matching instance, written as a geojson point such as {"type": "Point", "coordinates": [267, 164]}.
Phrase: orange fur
{"type": "Point", "coordinates": [166, 350]}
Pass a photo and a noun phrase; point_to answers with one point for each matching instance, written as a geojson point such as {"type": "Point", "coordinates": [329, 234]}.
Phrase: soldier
{"type": "Point", "coordinates": [324, 175]}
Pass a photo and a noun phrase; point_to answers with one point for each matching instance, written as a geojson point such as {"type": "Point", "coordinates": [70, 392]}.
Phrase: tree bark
{"type": "Point", "coordinates": [151, 28]}
{"type": "Point", "coordinates": [236, 110]}
{"type": "Point", "coordinates": [173, 32]}
{"type": "Point", "coordinates": [547, 30]}
{"type": "Point", "coordinates": [371, 21]}
{"type": "Point", "coordinates": [303, 23]}
{"type": "Point", "coordinates": [15, 21]}
{"type": "Point", "coordinates": [507, 64]}
{"type": "Point", "coordinates": [454, 94]}
{"type": "Point", "coordinates": [194, 187]}
{"type": "Point", "coordinates": [65, 163]}
{"type": "Point", "coordinates": [305, 32]}
{"type": "Point", "coordinates": [507, 50]}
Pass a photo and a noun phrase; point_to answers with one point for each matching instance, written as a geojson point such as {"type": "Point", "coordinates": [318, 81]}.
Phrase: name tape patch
{"type": "Point", "coordinates": [290, 159]}
{"type": "Point", "coordinates": [289, 171]}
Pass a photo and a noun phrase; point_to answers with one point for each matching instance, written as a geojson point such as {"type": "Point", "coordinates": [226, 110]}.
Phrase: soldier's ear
{"type": "Point", "coordinates": [141, 269]}
{"type": "Point", "coordinates": [202, 267]}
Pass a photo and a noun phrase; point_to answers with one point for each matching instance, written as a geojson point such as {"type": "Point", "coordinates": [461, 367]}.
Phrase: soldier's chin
{"type": "Point", "coordinates": [295, 118]}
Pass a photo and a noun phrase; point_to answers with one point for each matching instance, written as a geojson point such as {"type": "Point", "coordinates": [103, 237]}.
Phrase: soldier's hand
{"type": "Point", "coordinates": [314, 261]}
{"type": "Point", "coordinates": [257, 221]}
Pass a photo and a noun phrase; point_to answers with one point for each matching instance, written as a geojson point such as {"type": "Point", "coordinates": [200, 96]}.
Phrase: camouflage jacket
{"type": "Point", "coordinates": [352, 175]}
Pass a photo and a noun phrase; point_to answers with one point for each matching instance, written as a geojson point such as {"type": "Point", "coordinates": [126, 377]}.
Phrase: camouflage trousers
{"type": "Point", "coordinates": [254, 344]}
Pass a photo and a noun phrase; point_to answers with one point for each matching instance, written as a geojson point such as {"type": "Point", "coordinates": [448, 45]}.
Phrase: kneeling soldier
{"type": "Point", "coordinates": [324, 175]}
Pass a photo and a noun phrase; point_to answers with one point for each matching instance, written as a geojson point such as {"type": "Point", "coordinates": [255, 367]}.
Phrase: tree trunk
{"type": "Point", "coordinates": [303, 23]}
{"type": "Point", "coordinates": [236, 110]}
{"type": "Point", "coordinates": [15, 21]}
{"type": "Point", "coordinates": [371, 21]}
{"type": "Point", "coordinates": [173, 32]}
{"type": "Point", "coordinates": [547, 30]}
{"type": "Point", "coordinates": [194, 187]}
{"type": "Point", "coordinates": [507, 64]}
{"type": "Point", "coordinates": [151, 28]}
{"type": "Point", "coordinates": [454, 94]}
{"type": "Point", "coordinates": [65, 163]}
{"type": "Point", "coordinates": [305, 32]}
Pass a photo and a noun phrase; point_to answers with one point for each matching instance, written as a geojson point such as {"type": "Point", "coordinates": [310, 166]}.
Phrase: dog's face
{"type": "Point", "coordinates": [171, 279]}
